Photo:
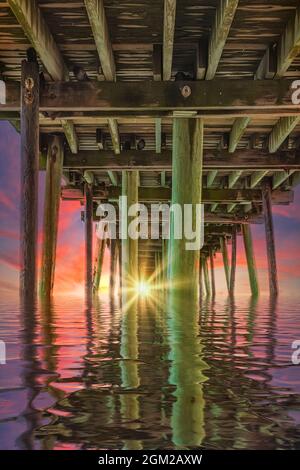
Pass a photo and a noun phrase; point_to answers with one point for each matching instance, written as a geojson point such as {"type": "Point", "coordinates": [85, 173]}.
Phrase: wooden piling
{"type": "Point", "coordinates": [165, 262]}
{"type": "Point", "coordinates": [270, 240]}
{"type": "Point", "coordinates": [250, 259]}
{"type": "Point", "coordinates": [206, 277]}
{"type": "Point", "coordinates": [113, 265]}
{"type": "Point", "coordinates": [129, 246]}
{"type": "Point", "coordinates": [200, 276]}
{"type": "Point", "coordinates": [212, 273]}
{"type": "Point", "coordinates": [186, 189]}
{"type": "Point", "coordinates": [51, 213]}
{"type": "Point", "coordinates": [101, 244]}
{"type": "Point", "coordinates": [224, 250]}
{"type": "Point", "coordinates": [88, 238]}
{"type": "Point", "coordinates": [29, 177]}
{"type": "Point", "coordinates": [233, 262]}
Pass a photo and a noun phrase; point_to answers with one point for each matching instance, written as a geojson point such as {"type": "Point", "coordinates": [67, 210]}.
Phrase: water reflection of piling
{"type": "Point", "coordinates": [30, 372]}
{"type": "Point", "coordinates": [130, 380]}
{"type": "Point", "coordinates": [186, 371]}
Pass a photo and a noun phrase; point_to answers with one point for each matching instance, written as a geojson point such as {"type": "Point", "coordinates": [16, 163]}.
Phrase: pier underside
{"type": "Point", "coordinates": [166, 102]}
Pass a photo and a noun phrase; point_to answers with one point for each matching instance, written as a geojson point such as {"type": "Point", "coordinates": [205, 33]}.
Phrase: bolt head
{"type": "Point", "coordinates": [186, 91]}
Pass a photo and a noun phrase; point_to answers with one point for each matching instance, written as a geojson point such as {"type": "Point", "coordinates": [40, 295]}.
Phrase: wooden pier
{"type": "Point", "coordinates": [169, 101]}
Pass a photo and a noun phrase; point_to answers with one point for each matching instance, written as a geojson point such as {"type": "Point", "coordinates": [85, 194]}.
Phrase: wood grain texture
{"type": "Point", "coordinates": [270, 239]}
{"type": "Point", "coordinates": [51, 214]}
{"type": "Point", "coordinates": [29, 178]}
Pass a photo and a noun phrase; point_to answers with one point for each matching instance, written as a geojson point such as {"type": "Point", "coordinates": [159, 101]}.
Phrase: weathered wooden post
{"type": "Point", "coordinates": [206, 277]}
{"type": "Point", "coordinates": [250, 259]}
{"type": "Point", "coordinates": [101, 244]}
{"type": "Point", "coordinates": [130, 181]}
{"type": "Point", "coordinates": [270, 239]}
{"type": "Point", "coordinates": [165, 262]}
{"type": "Point", "coordinates": [233, 262]}
{"type": "Point", "coordinates": [29, 177]}
{"type": "Point", "coordinates": [224, 250]}
{"type": "Point", "coordinates": [88, 238]}
{"type": "Point", "coordinates": [186, 189]}
{"type": "Point", "coordinates": [200, 276]}
{"type": "Point", "coordinates": [51, 213]}
{"type": "Point", "coordinates": [113, 265]}
{"type": "Point", "coordinates": [212, 273]}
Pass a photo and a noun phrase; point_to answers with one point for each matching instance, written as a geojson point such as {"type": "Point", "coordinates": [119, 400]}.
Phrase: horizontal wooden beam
{"type": "Point", "coordinates": [150, 194]}
{"type": "Point", "coordinates": [216, 96]}
{"type": "Point", "coordinates": [255, 159]}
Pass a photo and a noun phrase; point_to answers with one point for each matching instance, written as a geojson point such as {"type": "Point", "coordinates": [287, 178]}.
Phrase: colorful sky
{"type": "Point", "coordinates": [70, 250]}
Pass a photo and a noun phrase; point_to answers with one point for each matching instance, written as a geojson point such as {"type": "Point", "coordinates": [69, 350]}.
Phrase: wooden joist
{"type": "Point", "coordinates": [214, 160]}
{"type": "Point", "coordinates": [231, 207]}
{"type": "Point", "coordinates": [237, 131]}
{"type": "Point", "coordinates": [234, 177]}
{"type": "Point", "coordinates": [215, 97]}
{"type": "Point", "coordinates": [113, 177]}
{"type": "Point", "coordinates": [163, 179]}
{"type": "Point", "coordinates": [201, 59]}
{"type": "Point", "coordinates": [70, 133]}
{"type": "Point", "coordinates": [280, 177]}
{"type": "Point", "coordinates": [31, 19]}
{"type": "Point", "coordinates": [114, 133]}
{"type": "Point", "coordinates": [257, 177]}
{"type": "Point", "coordinates": [36, 29]}
{"type": "Point", "coordinates": [211, 176]}
{"type": "Point", "coordinates": [223, 20]}
{"type": "Point", "coordinates": [289, 46]}
{"type": "Point", "coordinates": [157, 62]}
{"type": "Point", "coordinates": [281, 131]}
{"type": "Point", "coordinates": [267, 66]}
{"type": "Point", "coordinates": [168, 37]}
{"type": "Point", "coordinates": [158, 135]}
{"type": "Point", "coordinates": [96, 13]}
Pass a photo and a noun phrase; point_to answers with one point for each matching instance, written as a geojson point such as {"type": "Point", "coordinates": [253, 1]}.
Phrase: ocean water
{"type": "Point", "coordinates": [150, 375]}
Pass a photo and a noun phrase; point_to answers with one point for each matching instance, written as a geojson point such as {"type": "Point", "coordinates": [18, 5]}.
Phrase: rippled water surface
{"type": "Point", "coordinates": [93, 377]}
